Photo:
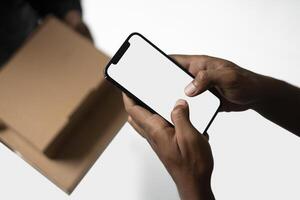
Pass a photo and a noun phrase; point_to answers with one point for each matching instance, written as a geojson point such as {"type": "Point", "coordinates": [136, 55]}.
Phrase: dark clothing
{"type": "Point", "coordinates": [18, 18]}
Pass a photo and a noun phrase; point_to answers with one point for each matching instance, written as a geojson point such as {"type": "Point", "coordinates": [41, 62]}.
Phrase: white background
{"type": "Point", "coordinates": [254, 159]}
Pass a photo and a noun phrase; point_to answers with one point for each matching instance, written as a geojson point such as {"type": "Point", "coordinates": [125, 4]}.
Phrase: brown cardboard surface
{"type": "Point", "coordinates": [90, 138]}
{"type": "Point", "coordinates": [47, 81]}
{"type": "Point", "coordinates": [54, 98]}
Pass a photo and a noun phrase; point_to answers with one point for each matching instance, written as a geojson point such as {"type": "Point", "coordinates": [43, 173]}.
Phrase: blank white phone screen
{"type": "Point", "coordinates": [158, 82]}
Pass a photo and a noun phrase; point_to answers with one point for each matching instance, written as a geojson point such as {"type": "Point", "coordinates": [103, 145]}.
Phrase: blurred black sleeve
{"type": "Point", "coordinates": [56, 7]}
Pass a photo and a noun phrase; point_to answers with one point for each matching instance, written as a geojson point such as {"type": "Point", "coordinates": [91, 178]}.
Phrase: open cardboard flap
{"type": "Point", "coordinates": [58, 111]}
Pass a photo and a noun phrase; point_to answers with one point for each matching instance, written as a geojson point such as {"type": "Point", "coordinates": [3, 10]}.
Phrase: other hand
{"type": "Point", "coordinates": [73, 19]}
{"type": "Point", "coordinates": [238, 88]}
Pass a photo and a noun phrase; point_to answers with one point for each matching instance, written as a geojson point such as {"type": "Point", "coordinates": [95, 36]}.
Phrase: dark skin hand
{"type": "Point", "coordinates": [74, 20]}
{"type": "Point", "coordinates": [240, 89]}
{"type": "Point", "coordinates": [185, 152]}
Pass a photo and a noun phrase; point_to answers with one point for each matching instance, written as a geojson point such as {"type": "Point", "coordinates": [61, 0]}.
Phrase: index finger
{"type": "Point", "coordinates": [183, 60]}
{"type": "Point", "coordinates": [137, 113]}
{"type": "Point", "coordinates": [128, 102]}
{"type": "Point", "coordinates": [148, 121]}
{"type": "Point", "coordinates": [192, 63]}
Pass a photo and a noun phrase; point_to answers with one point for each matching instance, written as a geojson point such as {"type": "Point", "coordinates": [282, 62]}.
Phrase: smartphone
{"type": "Point", "coordinates": [156, 81]}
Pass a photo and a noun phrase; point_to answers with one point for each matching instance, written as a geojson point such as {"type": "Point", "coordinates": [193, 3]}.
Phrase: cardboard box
{"type": "Point", "coordinates": [58, 111]}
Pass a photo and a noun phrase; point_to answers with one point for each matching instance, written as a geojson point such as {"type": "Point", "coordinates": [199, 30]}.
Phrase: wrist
{"type": "Point", "coordinates": [267, 89]}
{"type": "Point", "coordinates": [190, 189]}
{"type": "Point", "coordinates": [271, 90]}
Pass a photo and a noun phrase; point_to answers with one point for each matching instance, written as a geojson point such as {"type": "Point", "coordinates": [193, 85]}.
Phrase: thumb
{"type": "Point", "coordinates": [180, 115]}
{"type": "Point", "coordinates": [203, 81]}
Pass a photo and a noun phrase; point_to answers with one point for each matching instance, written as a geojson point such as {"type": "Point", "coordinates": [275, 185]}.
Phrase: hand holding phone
{"type": "Point", "coordinates": [156, 81]}
{"type": "Point", "coordinates": [185, 152]}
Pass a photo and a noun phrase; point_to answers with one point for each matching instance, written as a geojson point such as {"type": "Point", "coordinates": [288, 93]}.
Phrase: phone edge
{"type": "Point", "coordinates": [115, 83]}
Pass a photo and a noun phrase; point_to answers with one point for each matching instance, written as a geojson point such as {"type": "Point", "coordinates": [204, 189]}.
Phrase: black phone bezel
{"type": "Point", "coordinates": [118, 55]}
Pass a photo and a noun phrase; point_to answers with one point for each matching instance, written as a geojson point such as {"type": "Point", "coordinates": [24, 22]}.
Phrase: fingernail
{"type": "Point", "coordinates": [190, 89]}
{"type": "Point", "coordinates": [180, 102]}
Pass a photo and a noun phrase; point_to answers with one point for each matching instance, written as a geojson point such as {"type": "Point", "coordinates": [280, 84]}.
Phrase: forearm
{"type": "Point", "coordinates": [280, 103]}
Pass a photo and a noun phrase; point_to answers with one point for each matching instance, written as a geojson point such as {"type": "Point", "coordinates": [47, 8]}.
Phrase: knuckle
{"type": "Point", "coordinates": [221, 63]}
{"type": "Point", "coordinates": [201, 80]}
{"type": "Point", "coordinates": [160, 127]}
{"type": "Point", "coordinates": [154, 119]}
{"type": "Point", "coordinates": [156, 133]}
{"type": "Point", "coordinates": [233, 77]}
